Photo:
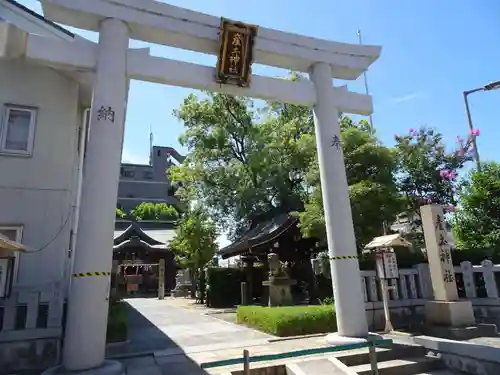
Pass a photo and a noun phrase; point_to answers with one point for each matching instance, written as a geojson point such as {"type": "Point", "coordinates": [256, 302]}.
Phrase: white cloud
{"type": "Point", "coordinates": [407, 98]}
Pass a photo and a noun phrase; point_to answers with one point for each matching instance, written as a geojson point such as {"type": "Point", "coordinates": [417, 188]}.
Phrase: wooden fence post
{"type": "Point", "coordinates": [161, 279]}
{"type": "Point", "coordinates": [246, 362]}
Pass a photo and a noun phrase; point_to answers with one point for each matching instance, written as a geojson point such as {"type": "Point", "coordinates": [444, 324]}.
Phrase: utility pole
{"type": "Point", "coordinates": [489, 87]}
{"type": "Point", "coordinates": [360, 41]}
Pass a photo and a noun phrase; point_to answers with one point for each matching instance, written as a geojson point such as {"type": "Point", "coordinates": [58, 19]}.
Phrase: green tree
{"type": "Point", "coordinates": [372, 188]}
{"type": "Point", "coordinates": [242, 161]}
{"type": "Point", "coordinates": [154, 211]}
{"type": "Point", "coordinates": [476, 222]}
{"type": "Point", "coordinates": [195, 242]}
{"type": "Point", "coordinates": [427, 172]}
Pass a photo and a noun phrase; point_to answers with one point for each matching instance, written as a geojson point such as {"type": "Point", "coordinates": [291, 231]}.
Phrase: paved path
{"type": "Point", "coordinates": [162, 327]}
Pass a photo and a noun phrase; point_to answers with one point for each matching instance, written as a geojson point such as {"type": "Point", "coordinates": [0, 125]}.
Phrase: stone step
{"type": "Point", "coordinates": [403, 366]}
{"type": "Point", "coordinates": [440, 372]}
{"type": "Point", "coordinates": [397, 351]}
{"type": "Point", "coordinates": [313, 367]}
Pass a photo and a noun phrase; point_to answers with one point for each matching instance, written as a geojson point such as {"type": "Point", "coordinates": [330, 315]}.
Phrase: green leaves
{"type": "Point", "coordinates": [120, 214]}
{"type": "Point", "coordinates": [476, 223]}
{"type": "Point", "coordinates": [155, 211]}
{"type": "Point", "coordinates": [242, 161]}
{"type": "Point", "coordinates": [427, 172]}
{"type": "Point", "coordinates": [195, 241]}
{"type": "Point", "coordinates": [246, 160]}
{"type": "Point", "coordinates": [372, 189]}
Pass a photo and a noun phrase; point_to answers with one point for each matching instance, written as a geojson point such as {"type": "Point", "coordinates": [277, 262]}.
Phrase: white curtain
{"type": "Point", "coordinates": [18, 130]}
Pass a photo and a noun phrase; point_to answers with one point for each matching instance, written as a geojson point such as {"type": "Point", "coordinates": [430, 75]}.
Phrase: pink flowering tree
{"type": "Point", "coordinates": [427, 170]}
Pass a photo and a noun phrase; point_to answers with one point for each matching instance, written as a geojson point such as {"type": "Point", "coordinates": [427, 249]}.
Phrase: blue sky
{"type": "Point", "coordinates": [432, 52]}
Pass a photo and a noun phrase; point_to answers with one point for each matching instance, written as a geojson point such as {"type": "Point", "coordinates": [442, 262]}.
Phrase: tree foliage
{"type": "Point", "coordinates": [372, 189]}
{"type": "Point", "coordinates": [427, 172]}
{"type": "Point", "coordinates": [154, 211]}
{"type": "Point", "coordinates": [195, 241]}
{"type": "Point", "coordinates": [241, 162]}
{"type": "Point", "coordinates": [477, 218]}
{"type": "Point", "coordinates": [120, 214]}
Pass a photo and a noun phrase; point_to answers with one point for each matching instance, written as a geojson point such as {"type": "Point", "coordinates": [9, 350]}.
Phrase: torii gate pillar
{"type": "Point", "coordinates": [85, 338]}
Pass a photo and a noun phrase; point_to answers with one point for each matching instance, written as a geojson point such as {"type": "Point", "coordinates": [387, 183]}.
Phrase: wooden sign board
{"type": "Point", "coordinates": [387, 265]}
{"type": "Point", "coordinates": [234, 62]}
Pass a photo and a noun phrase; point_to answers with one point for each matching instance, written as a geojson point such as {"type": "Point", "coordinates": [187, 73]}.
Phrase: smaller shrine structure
{"type": "Point", "coordinates": [275, 233]}
{"type": "Point", "coordinates": [138, 248]}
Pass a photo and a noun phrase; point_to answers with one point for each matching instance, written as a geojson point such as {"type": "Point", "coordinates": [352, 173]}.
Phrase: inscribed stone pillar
{"type": "Point", "coordinates": [439, 253]}
{"type": "Point", "coordinates": [446, 309]}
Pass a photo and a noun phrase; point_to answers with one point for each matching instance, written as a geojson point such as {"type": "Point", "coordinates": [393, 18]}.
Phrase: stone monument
{"type": "Point", "coordinates": [279, 283]}
{"type": "Point", "coordinates": [446, 315]}
{"type": "Point", "coordinates": [182, 284]}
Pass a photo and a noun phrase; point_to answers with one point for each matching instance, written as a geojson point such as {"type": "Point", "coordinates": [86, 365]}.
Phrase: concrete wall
{"type": "Point", "coordinates": [143, 189]}
{"type": "Point", "coordinates": [479, 284]}
{"type": "Point", "coordinates": [36, 191]}
{"type": "Point", "coordinates": [29, 355]}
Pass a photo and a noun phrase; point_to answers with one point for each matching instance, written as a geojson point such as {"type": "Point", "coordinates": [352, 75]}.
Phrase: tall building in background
{"type": "Point", "coordinates": [148, 182]}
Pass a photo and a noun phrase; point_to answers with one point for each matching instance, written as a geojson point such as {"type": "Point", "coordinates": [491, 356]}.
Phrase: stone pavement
{"type": "Point", "coordinates": [188, 363]}
{"type": "Point", "coordinates": [162, 326]}
{"type": "Point", "coordinates": [174, 336]}
{"type": "Point", "coordinates": [488, 341]}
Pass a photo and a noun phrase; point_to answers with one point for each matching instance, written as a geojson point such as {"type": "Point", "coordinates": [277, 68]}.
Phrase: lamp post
{"type": "Point", "coordinates": [489, 87]}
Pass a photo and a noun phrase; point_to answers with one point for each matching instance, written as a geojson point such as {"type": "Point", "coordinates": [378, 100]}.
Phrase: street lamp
{"type": "Point", "coordinates": [489, 87]}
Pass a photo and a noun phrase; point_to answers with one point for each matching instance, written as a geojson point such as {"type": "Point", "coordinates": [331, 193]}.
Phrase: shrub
{"type": "Point", "coordinates": [117, 330]}
{"type": "Point", "coordinates": [224, 286]}
{"type": "Point", "coordinates": [289, 320]}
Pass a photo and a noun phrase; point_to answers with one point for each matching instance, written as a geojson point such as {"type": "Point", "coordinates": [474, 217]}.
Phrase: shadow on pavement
{"type": "Point", "coordinates": [144, 339]}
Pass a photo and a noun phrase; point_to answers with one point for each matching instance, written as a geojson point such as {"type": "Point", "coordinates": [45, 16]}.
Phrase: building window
{"type": "Point", "coordinates": [13, 233]}
{"type": "Point", "coordinates": [18, 129]}
{"type": "Point", "coordinates": [127, 173]}
{"type": "Point", "coordinates": [148, 175]}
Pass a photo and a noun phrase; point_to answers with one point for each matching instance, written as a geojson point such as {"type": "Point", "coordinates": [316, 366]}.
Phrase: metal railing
{"type": "Point", "coordinates": [246, 359]}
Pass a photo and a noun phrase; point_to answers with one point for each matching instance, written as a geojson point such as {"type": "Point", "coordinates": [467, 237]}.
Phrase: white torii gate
{"type": "Point", "coordinates": [109, 65]}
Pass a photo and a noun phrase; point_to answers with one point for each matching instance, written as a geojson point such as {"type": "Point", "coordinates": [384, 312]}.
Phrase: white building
{"type": "Point", "coordinates": [42, 112]}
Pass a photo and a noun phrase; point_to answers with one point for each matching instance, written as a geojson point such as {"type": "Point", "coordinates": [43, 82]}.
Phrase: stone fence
{"type": "Point", "coordinates": [31, 327]}
{"type": "Point", "coordinates": [480, 284]}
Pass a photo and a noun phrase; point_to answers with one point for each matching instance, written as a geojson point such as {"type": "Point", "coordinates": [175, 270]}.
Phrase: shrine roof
{"type": "Point", "coordinates": [265, 232]}
{"type": "Point", "coordinates": [154, 234]}
{"type": "Point", "coordinates": [134, 243]}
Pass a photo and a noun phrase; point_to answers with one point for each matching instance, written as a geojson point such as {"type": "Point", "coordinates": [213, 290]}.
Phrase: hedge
{"type": "Point", "coordinates": [223, 285]}
{"type": "Point", "coordinates": [117, 330]}
{"type": "Point", "coordinates": [290, 320]}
